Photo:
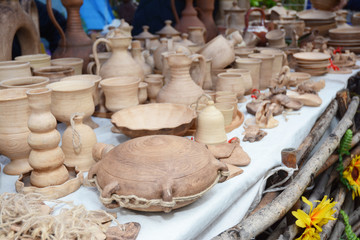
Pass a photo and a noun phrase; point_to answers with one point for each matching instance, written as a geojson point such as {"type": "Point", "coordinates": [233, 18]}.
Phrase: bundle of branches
{"type": "Point", "coordinates": [317, 177]}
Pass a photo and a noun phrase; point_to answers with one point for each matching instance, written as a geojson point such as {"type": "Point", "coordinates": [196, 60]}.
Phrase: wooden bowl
{"type": "Point", "coordinates": [154, 119]}
{"type": "Point", "coordinates": [311, 56]}
{"type": "Point", "coordinates": [345, 33]}
{"type": "Point", "coordinates": [324, 4]}
{"type": "Point", "coordinates": [313, 15]}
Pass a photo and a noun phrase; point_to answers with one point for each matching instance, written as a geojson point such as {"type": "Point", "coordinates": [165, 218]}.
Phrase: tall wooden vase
{"type": "Point", "coordinates": [46, 157]}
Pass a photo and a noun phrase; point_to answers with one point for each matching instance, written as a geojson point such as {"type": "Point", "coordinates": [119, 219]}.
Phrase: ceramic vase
{"type": "Point", "coordinates": [253, 65]}
{"type": "Point", "coordinates": [25, 82]}
{"type": "Point", "coordinates": [120, 92]}
{"type": "Point", "coordinates": [14, 114]}
{"type": "Point", "coordinates": [77, 143]}
{"type": "Point", "coordinates": [76, 63]}
{"type": "Point", "coordinates": [155, 83]}
{"type": "Point", "coordinates": [233, 82]}
{"type": "Point", "coordinates": [205, 10]}
{"type": "Point", "coordinates": [46, 157]}
{"type": "Point", "coordinates": [12, 69]}
{"type": "Point", "coordinates": [280, 57]}
{"type": "Point", "coordinates": [266, 69]}
{"type": "Point", "coordinates": [247, 80]}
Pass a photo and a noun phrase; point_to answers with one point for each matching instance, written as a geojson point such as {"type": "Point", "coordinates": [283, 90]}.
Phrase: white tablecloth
{"type": "Point", "coordinates": [226, 203]}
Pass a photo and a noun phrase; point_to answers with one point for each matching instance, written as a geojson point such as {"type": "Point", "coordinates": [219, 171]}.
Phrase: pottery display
{"type": "Point", "coordinates": [197, 34]}
{"type": "Point", "coordinates": [36, 60]}
{"type": "Point", "coordinates": [54, 73]}
{"type": "Point", "coordinates": [154, 119]}
{"type": "Point", "coordinates": [120, 62]}
{"type": "Point", "coordinates": [77, 144]}
{"type": "Point", "coordinates": [227, 111]}
{"type": "Point", "coordinates": [188, 17]}
{"type": "Point", "coordinates": [276, 38]}
{"type": "Point", "coordinates": [103, 57]}
{"type": "Point", "coordinates": [266, 69]}
{"type": "Point", "coordinates": [319, 20]}
{"type": "Point", "coordinates": [14, 131]}
{"type": "Point", "coordinates": [235, 17]}
{"type": "Point", "coordinates": [314, 63]}
{"type": "Point", "coordinates": [169, 32]}
{"type": "Point", "coordinates": [280, 58]}
{"type": "Point", "coordinates": [233, 82]}
{"type": "Point", "coordinates": [12, 69]}
{"type": "Point", "coordinates": [195, 72]}
{"type": "Point", "coordinates": [221, 46]}
{"type": "Point", "coordinates": [243, 52]}
{"type": "Point", "coordinates": [229, 100]}
{"type": "Point", "coordinates": [142, 92]}
{"type": "Point", "coordinates": [205, 10]}
{"type": "Point", "coordinates": [139, 169]}
{"type": "Point", "coordinates": [65, 93]}
{"type": "Point", "coordinates": [15, 20]}
{"type": "Point", "coordinates": [259, 30]}
{"type": "Point", "coordinates": [185, 41]}
{"type": "Point", "coordinates": [210, 128]}
{"type": "Point", "coordinates": [120, 92]}
{"type": "Point", "coordinates": [247, 80]}
{"type": "Point", "coordinates": [289, 26]}
{"type": "Point", "coordinates": [165, 46]}
{"type": "Point", "coordinates": [139, 59]}
{"type": "Point", "coordinates": [345, 33]}
{"type": "Point", "coordinates": [25, 82]}
{"type": "Point", "coordinates": [46, 157]}
{"type": "Point", "coordinates": [74, 42]}
{"type": "Point", "coordinates": [253, 65]}
{"type": "Point", "coordinates": [147, 40]}
{"type": "Point", "coordinates": [181, 88]}
{"type": "Point", "coordinates": [155, 83]}
{"type": "Point", "coordinates": [76, 63]}
{"type": "Point", "coordinates": [223, 4]}
{"type": "Point", "coordinates": [214, 75]}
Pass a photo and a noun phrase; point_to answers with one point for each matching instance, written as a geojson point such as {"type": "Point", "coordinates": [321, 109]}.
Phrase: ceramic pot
{"type": "Point", "coordinates": [36, 60]}
{"type": "Point", "coordinates": [210, 93]}
{"type": "Point", "coordinates": [25, 82]}
{"type": "Point", "coordinates": [120, 62]}
{"type": "Point", "coordinates": [289, 26]}
{"type": "Point", "coordinates": [12, 69]}
{"type": "Point", "coordinates": [266, 69]}
{"type": "Point", "coordinates": [220, 46]}
{"type": "Point", "coordinates": [205, 9]}
{"type": "Point", "coordinates": [120, 92]}
{"type": "Point", "coordinates": [14, 115]}
{"type": "Point", "coordinates": [142, 92]}
{"type": "Point", "coordinates": [66, 93]}
{"type": "Point", "coordinates": [253, 65]}
{"type": "Point", "coordinates": [214, 75]}
{"type": "Point", "coordinates": [235, 17]}
{"type": "Point", "coordinates": [195, 73]}
{"type": "Point", "coordinates": [233, 82]}
{"type": "Point", "coordinates": [259, 30]}
{"type": "Point", "coordinates": [77, 143]}
{"type": "Point", "coordinates": [103, 57]}
{"type": "Point", "coordinates": [279, 60]}
{"type": "Point", "coordinates": [148, 40]}
{"type": "Point", "coordinates": [197, 34]}
{"type": "Point", "coordinates": [164, 47]}
{"type": "Point", "coordinates": [227, 110]}
{"type": "Point", "coordinates": [181, 88]}
{"type": "Point", "coordinates": [90, 78]}
{"type": "Point", "coordinates": [169, 32]}
{"type": "Point", "coordinates": [54, 73]}
{"type": "Point", "coordinates": [223, 4]}
{"type": "Point", "coordinates": [46, 157]}
{"type": "Point", "coordinates": [247, 80]}
{"type": "Point", "coordinates": [139, 59]}
{"type": "Point", "coordinates": [276, 38]}
{"type": "Point", "coordinates": [229, 100]}
{"type": "Point", "coordinates": [76, 63]}
{"type": "Point", "coordinates": [155, 83]}
{"type": "Point", "coordinates": [243, 52]}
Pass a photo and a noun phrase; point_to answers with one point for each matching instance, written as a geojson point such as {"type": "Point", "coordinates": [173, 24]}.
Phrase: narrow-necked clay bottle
{"type": "Point", "coordinates": [77, 143]}
{"type": "Point", "coordinates": [136, 53]}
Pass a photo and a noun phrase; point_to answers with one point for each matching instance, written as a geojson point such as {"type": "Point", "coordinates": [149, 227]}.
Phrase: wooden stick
{"type": "Point", "coordinates": [265, 217]}
{"type": "Point", "coordinates": [343, 99]}
{"type": "Point", "coordinates": [278, 230]}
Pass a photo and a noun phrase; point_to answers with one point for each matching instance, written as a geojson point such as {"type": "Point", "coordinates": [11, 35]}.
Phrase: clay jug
{"type": "Point", "coordinates": [181, 88]}
{"type": "Point", "coordinates": [259, 30]}
{"type": "Point", "coordinates": [120, 62]}
{"type": "Point", "coordinates": [74, 42]}
{"type": "Point", "coordinates": [14, 114]}
{"type": "Point", "coordinates": [188, 17]}
{"type": "Point", "coordinates": [46, 157]}
{"type": "Point", "coordinates": [136, 53]}
{"type": "Point", "coordinates": [205, 9]}
{"type": "Point", "coordinates": [77, 143]}
{"type": "Point", "coordinates": [235, 17]}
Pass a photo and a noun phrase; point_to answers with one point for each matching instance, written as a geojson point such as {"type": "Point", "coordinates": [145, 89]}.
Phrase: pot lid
{"type": "Point", "coordinates": [145, 34]}
{"type": "Point", "coordinates": [168, 30]}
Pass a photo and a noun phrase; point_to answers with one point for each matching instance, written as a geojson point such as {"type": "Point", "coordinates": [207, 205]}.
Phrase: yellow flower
{"type": "Point", "coordinates": [351, 174]}
{"type": "Point", "coordinates": [318, 216]}
{"type": "Point", "coordinates": [309, 234]}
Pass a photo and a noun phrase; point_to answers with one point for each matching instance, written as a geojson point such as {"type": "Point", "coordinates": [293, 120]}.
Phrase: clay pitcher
{"type": "Point", "coordinates": [74, 42]}
{"type": "Point", "coordinates": [188, 17]}
{"type": "Point", "coordinates": [120, 62]}
{"type": "Point", "coordinates": [205, 9]}
{"type": "Point", "coordinates": [181, 88]}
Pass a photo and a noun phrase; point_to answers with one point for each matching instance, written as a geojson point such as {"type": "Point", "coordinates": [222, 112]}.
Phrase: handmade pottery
{"type": "Point", "coordinates": [74, 42]}
{"type": "Point", "coordinates": [233, 82]}
{"type": "Point", "coordinates": [169, 32]}
{"type": "Point", "coordinates": [253, 134]}
{"type": "Point", "coordinates": [235, 17]}
{"type": "Point", "coordinates": [258, 30]}
{"type": "Point", "coordinates": [210, 93]}
{"type": "Point", "coordinates": [264, 116]}
{"type": "Point", "coordinates": [289, 26]}
{"type": "Point", "coordinates": [12, 69]}
{"type": "Point", "coordinates": [225, 94]}
{"type": "Point", "coordinates": [46, 157]}
{"type": "Point", "coordinates": [195, 72]}
{"type": "Point", "coordinates": [139, 59]}
{"type": "Point", "coordinates": [223, 4]}
{"type": "Point", "coordinates": [154, 119]}
{"type": "Point", "coordinates": [197, 34]}
{"type": "Point", "coordinates": [188, 17]}
{"type": "Point", "coordinates": [147, 40]}
{"type": "Point", "coordinates": [205, 9]}
{"type": "Point", "coordinates": [25, 82]}
{"type": "Point", "coordinates": [54, 73]}
{"type": "Point", "coordinates": [65, 93]}
{"type": "Point", "coordinates": [266, 68]}
{"type": "Point", "coordinates": [14, 115]}
{"type": "Point", "coordinates": [276, 38]}
{"type": "Point", "coordinates": [150, 158]}
{"type": "Point", "coordinates": [227, 111]}
{"type": "Point", "coordinates": [155, 83]}
{"type": "Point", "coordinates": [253, 65]}
{"type": "Point", "coordinates": [243, 52]}
{"type": "Point", "coordinates": [124, 28]}
{"type": "Point", "coordinates": [324, 4]}
{"type": "Point", "coordinates": [214, 75]}
{"type": "Point", "coordinates": [181, 88]}
{"type": "Point", "coordinates": [185, 41]}
{"type": "Point", "coordinates": [308, 99]}
{"type": "Point", "coordinates": [221, 46]}
{"type": "Point", "coordinates": [16, 21]}
{"type": "Point", "coordinates": [76, 63]}
{"type": "Point", "coordinates": [77, 144]}
{"type": "Point", "coordinates": [36, 60]}
{"type": "Point", "coordinates": [230, 100]}
{"type": "Point", "coordinates": [164, 47]}
{"type": "Point", "coordinates": [120, 62]}
{"type": "Point", "coordinates": [279, 60]}
{"type": "Point", "coordinates": [103, 57]}
{"type": "Point", "coordinates": [247, 80]}
{"type": "Point", "coordinates": [142, 92]}
{"type": "Point", "coordinates": [210, 128]}
{"type": "Point", "coordinates": [298, 77]}
{"type": "Point", "coordinates": [120, 92]}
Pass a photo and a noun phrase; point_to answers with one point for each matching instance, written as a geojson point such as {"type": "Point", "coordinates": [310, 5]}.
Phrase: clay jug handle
{"type": "Point", "coordinates": [247, 15]}
{"type": "Point", "coordinates": [202, 63]}
{"type": "Point", "coordinates": [53, 20]}
{"type": "Point", "coordinates": [90, 67]}
{"type": "Point", "coordinates": [173, 9]}
{"type": "Point", "coordinates": [227, 20]}
{"type": "Point", "coordinates": [94, 49]}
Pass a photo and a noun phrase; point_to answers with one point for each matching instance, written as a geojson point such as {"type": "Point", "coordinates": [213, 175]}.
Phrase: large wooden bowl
{"type": "Point", "coordinates": [154, 119]}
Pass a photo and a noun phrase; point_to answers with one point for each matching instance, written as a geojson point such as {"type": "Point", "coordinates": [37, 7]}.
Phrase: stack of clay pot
{"type": "Point", "coordinates": [319, 20]}
{"type": "Point", "coordinates": [314, 63]}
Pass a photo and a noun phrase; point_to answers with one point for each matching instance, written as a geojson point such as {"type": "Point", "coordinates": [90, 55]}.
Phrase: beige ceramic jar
{"type": "Point", "coordinates": [253, 65]}
{"type": "Point", "coordinates": [233, 82]}
{"type": "Point", "coordinates": [280, 57]}
{"type": "Point", "coordinates": [266, 69]}
{"type": "Point", "coordinates": [14, 131]}
{"type": "Point", "coordinates": [54, 73]}
{"type": "Point", "coordinates": [246, 77]}
{"type": "Point", "coordinates": [12, 69]}
{"type": "Point", "coordinates": [36, 60]}
{"type": "Point", "coordinates": [25, 82]}
{"type": "Point", "coordinates": [76, 63]}
{"type": "Point", "coordinates": [103, 57]}
{"type": "Point", "coordinates": [155, 83]}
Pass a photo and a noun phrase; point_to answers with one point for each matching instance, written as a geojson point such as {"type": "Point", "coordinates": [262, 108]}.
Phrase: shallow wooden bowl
{"type": "Point", "coordinates": [154, 119]}
{"type": "Point", "coordinates": [345, 33]}
{"type": "Point", "coordinates": [311, 56]}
